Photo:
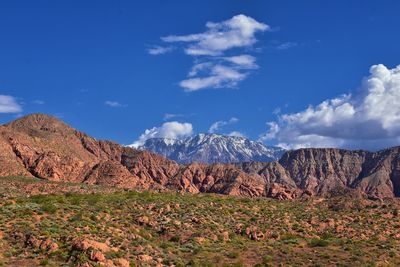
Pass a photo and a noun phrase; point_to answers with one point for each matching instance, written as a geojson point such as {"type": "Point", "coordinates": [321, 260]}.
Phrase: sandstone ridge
{"type": "Point", "coordinates": [42, 146]}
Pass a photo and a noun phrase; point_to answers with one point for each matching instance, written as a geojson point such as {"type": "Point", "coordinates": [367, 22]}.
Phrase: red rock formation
{"type": "Point", "coordinates": [111, 172]}
{"type": "Point", "coordinates": [319, 171]}
{"type": "Point", "coordinates": [10, 163]}
{"type": "Point", "coordinates": [148, 167]}
{"type": "Point", "coordinates": [218, 178]}
{"type": "Point", "coordinates": [45, 147]}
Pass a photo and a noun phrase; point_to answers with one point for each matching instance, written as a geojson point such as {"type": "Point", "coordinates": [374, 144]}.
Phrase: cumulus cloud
{"type": "Point", "coordinates": [9, 104]}
{"type": "Point", "coordinates": [159, 50]}
{"type": "Point", "coordinates": [239, 31]}
{"type": "Point", "coordinates": [212, 69]}
{"type": "Point", "coordinates": [369, 119]}
{"type": "Point", "coordinates": [237, 134]}
{"type": "Point", "coordinates": [172, 129]}
{"type": "Point", "coordinates": [114, 104]}
{"type": "Point", "coordinates": [216, 126]}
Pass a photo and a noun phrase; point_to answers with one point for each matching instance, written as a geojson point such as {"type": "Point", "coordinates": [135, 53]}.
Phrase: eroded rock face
{"type": "Point", "coordinates": [45, 147]}
{"type": "Point", "coordinates": [111, 173]}
{"type": "Point", "coordinates": [320, 171]}
{"type": "Point", "coordinates": [148, 167]}
{"type": "Point", "coordinates": [381, 174]}
{"type": "Point", "coordinates": [10, 163]}
{"type": "Point", "coordinates": [218, 178]}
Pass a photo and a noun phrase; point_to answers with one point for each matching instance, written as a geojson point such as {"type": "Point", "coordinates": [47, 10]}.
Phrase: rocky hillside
{"type": "Point", "coordinates": [42, 146]}
{"type": "Point", "coordinates": [124, 229]}
{"type": "Point", "coordinates": [45, 147]}
{"type": "Point", "coordinates": [212, 148]}
{"type": "Point", "coordinates": [323, 171]}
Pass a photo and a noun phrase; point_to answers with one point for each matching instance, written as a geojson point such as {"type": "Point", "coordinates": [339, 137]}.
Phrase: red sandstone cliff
{"type": "Point", "coordinates": [45, 147]}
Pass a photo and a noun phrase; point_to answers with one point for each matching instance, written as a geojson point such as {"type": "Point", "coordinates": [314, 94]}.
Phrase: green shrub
{"type": "Point", "coordinates": [232, 254]}
{"type": "Point", "coordinates": [175, 238]}
{"type": "Point", "coordinates": [316, 242]}
{"type": "Point", "coordinates": [49, 208]}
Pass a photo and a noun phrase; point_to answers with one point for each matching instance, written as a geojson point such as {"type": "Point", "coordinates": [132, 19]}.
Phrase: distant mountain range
{"type": "Point", "coordinates": [42, 146]}
{"type": "Point", "coordinates": [212, 148]}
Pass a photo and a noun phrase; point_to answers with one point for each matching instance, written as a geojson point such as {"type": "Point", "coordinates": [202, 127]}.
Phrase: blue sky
{"type": "Point", "coordinates": [92, 64]}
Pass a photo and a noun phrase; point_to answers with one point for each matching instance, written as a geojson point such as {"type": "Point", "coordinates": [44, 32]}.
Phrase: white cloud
{"type": "Point", "coordinates": [244, 61]}
{"type": "Point", "coordinates": [218, 76]}
{"type": "Point", "coordinates": [8, 104]}
{"type": "Point", "coordinates": [237, 134]}
{"type": "Point", "coordinates": [277, 111]}
{"type": "Point", "coordinates": [200, 67]}
{"type": "Point", "coordinates": [159, 50]}
{"type": "Point", "coordinates": [238, 31]}
{"type": "Point", "coordinates": [173, 129]}
{"type": "Point", "coordinates": [216, 126]}
{"type": "Point", "coordinates": [216, 70]}
{"type": "Point", "coordinates": [369, 119]}
{"type": "Point", "coordinates": [114, 104]}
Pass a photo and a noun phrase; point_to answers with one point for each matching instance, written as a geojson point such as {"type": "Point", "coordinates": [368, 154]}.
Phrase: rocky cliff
{"type": "Point", "coordinates": [321, 171]}
{"type": "Point", "coordinates": [45, 147]}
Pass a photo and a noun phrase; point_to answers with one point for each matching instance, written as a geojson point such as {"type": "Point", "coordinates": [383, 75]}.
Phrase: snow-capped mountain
{"type": "Point", "coordinates": [211, 148]}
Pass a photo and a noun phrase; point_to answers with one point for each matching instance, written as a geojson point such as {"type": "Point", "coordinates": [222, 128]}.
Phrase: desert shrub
{"type": "Point", "coordinates": [49, 208]}
{"type": "Point", "coordinates": [175, 238]}
{"type": "Point", "coordinates": [44, 262]}
{"type": "Point", "coordinates": [232, 254]}
{"type": "Point", "coordinates": [395, 212]}
{"type": "Point", "coordinates": [315, 242]}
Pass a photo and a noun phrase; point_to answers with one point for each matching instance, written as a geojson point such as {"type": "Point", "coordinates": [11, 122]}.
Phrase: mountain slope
{"type": "Point", "coordinates": [212, 148]}
{"type": "Point", "coordinates": [43, 146]}
{"type": "Point", "coordinates": [321, 171]}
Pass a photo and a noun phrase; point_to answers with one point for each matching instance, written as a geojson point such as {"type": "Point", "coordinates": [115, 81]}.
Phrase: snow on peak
{"type": "Point", "coordinates": [211, 148]}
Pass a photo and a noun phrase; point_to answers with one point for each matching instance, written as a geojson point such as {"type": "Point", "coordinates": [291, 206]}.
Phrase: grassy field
{"type": "Point", "coordinates": [172, 229]}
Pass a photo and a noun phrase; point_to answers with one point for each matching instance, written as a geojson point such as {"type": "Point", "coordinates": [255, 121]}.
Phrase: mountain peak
{"type": "Point", "coordinates": [39, 122]}
{"type": "Point", "coordinates": [211, 148]}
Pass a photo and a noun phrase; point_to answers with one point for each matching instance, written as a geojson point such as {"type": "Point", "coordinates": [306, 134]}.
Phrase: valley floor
{"type": "Point", "coordinates": [94, 226]}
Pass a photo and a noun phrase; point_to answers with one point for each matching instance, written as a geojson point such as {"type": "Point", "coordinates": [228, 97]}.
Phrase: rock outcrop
{"type": "Point", "coordinates": [318, 171]}
{"type": "Point", "coordinates": [42, 146]}
{"type": "Point", "coordinates": [218, 178]}
{"type": "Point", "coordinates": [45, 147]}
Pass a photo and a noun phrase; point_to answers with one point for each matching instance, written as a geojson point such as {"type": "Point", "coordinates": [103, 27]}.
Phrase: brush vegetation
{"type": "Point", "coordinates": [128, 228]}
